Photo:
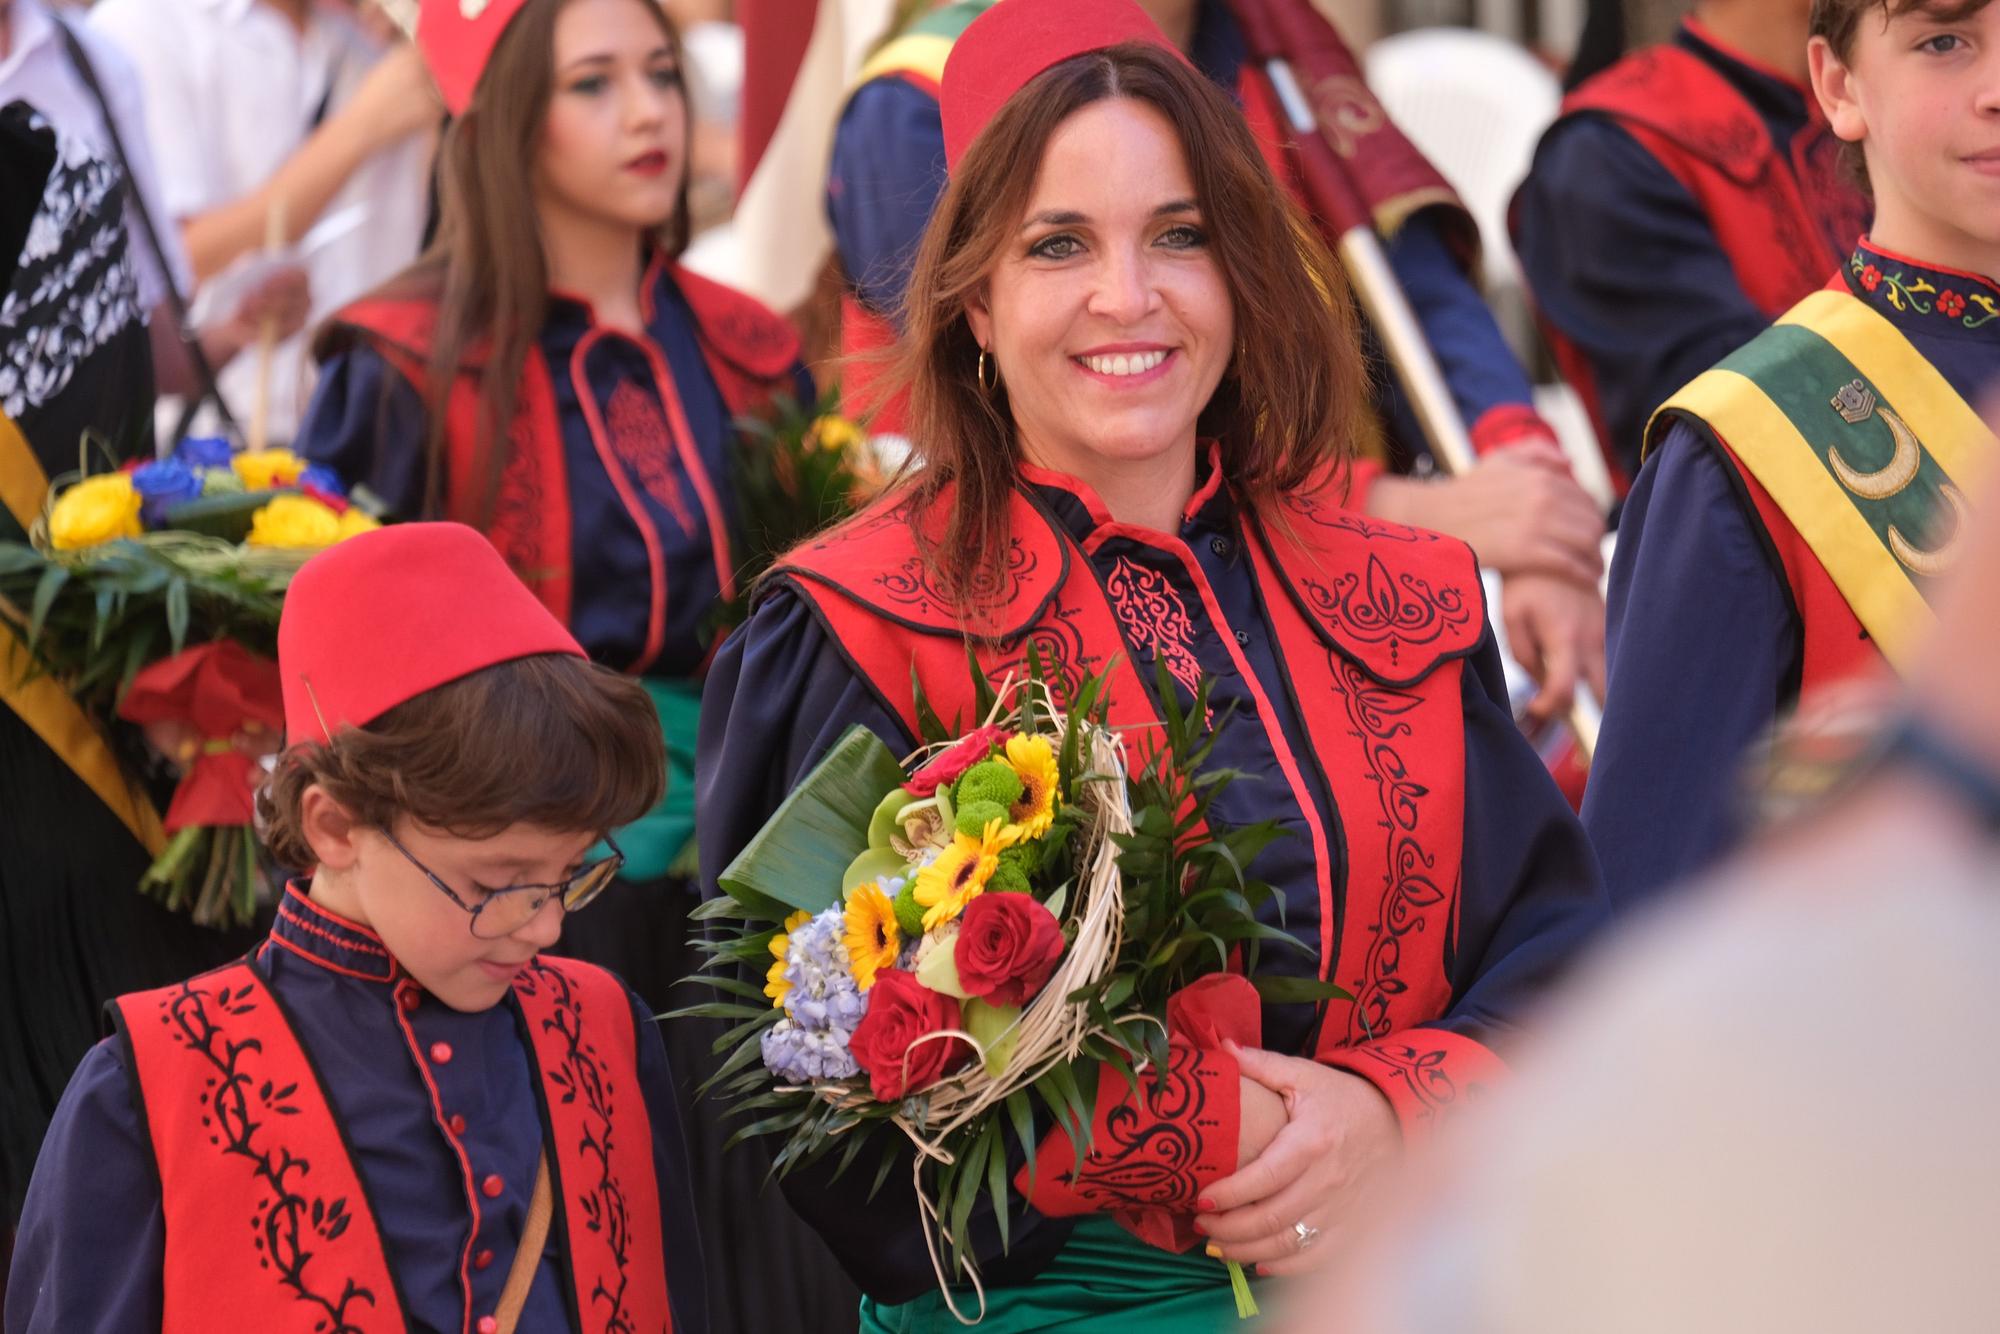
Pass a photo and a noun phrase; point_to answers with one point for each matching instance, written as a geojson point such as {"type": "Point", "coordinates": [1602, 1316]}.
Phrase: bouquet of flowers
{"type": "Point", "coordinates": [949, 941]}
{"type": "Point", "coordinates": [152, 594]}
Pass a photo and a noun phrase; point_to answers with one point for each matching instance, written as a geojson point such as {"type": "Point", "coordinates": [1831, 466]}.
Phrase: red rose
{"type": "Point", "coordinates": [1008, 945]}
{"type": "Point", "coordinates": [902, 1010]}
{"type": "Point", "coordinates": [962, 755]}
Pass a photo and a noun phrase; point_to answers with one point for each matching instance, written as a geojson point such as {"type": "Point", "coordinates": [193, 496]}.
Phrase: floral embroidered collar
{"type": "Point", "coordinates": [1924, 298]}
{"type": "Point", "coordinates": [333, 942]}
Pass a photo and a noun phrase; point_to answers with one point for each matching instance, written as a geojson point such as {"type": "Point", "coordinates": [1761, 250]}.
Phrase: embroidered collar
{"type": "Point", "coordinates": [326, 938]}
{"type": "Point", "coordinates": [1081, 511]}
{"type": "Point", "coordinates": [575, 311]}
{"type": "Point", "coordinates": [1925, 298]}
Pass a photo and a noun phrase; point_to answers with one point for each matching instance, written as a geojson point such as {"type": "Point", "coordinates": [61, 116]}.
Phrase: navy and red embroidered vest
{"type": "Point", "coordinates": [750, 350]}
{"type": "Point", "coordinates": [1372, 621]}
{"type": "Point", "coordinates": [1769, 212]}
{"type": "Point", "coordinates": [268, 1224]}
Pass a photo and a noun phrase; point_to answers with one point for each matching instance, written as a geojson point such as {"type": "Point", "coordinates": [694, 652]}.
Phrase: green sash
{"type": "Point", "coordinates": [1861, 442]}
{"type": "Point", "coordinates": [654, 844]}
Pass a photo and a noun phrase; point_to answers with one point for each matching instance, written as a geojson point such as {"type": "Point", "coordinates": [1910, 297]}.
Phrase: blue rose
{"type": "Point", "coordinates": [322, 479]}
{"type": "Point", "coordinates": [161, 486]}
{"type": "Point", "coordinates": [207, 452]}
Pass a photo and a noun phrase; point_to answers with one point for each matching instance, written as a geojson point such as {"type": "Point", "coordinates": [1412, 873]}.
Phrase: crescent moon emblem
{"type": "Point", "coordinates": [1939, 559]}
{"type": "Point", "coordinates": [1893, 476]}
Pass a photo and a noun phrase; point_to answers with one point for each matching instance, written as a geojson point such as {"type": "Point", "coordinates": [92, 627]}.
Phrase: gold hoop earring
{"type": "Point", "coordinates": [989, 385]}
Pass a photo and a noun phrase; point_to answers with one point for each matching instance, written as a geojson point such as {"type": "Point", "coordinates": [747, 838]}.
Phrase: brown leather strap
{"type": "Point", "coordinates": [528, 1259]}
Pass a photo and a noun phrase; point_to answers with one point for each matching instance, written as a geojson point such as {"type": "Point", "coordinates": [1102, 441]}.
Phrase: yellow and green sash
{"type": "Point", "coordinates": [1861, 442]}
{"type": "Point", "coordinates": [922, 47]}
{"type": "Point", "coordinates": [42, 703]}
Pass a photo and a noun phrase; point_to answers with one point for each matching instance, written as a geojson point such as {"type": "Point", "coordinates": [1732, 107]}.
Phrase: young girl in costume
{"type": "Point", "coordinates": [548, 373]}
{"type": "Point", "coordinates": [396, 1113]}
{"type": "Point", "coordinates": [1800, 501]}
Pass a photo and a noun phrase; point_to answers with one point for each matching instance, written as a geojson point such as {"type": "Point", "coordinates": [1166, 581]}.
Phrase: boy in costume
{"type": "Point", "coordinates": [1685, 198]}
{"type": "Point", "coordinates": [397, 1112]}
{"type": "Point", "coordinates": [1800, 500]}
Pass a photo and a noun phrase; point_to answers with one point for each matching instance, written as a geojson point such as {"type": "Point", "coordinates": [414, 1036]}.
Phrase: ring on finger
{"type": "Point", "coordinates": [1306, 1233]}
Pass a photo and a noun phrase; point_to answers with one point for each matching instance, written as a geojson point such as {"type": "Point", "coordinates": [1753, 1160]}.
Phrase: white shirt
{"type": "Point", "coordinates": [231, 88]}
{"type": "Point", "coordinates": [37, 70]}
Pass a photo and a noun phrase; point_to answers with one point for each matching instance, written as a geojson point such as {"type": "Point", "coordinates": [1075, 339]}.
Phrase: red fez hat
{"type": "Point", "coordinates": [457, 38]}
{"type": "Point", "coordinates": [389, 614]}
{"type": "Point", "coordinates": [1014, 41]}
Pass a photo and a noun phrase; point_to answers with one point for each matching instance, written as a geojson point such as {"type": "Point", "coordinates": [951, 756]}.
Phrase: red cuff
{"type": "Point", "coordinates": [1427, 1074]}
{"type": "Point", "coordinates": [1151, 1153]}
{"type": "Point", "coordinates": [1509, 424]}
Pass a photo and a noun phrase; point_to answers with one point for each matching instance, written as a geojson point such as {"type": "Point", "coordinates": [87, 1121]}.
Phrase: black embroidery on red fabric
{"type": "Point", "coordinates": [639, 435]}
{"type": "Point", "coordinates": [1424, 1071]}
{"type": "Point", "coordinates": [1315, 510]}
{"type": "Point", "coordinates": [1145, 1152]}
{"type": "Point", "coordinates": [1059, 649]}
{"type": "Point", "coordinates": [1411, 891]}
{"type": "Point", "coordinates": [237, 1105]}
{"type": "Point", "coordinates": [581, 1078]}
{"type": "Point", "coordinates": [1397, 610]}
{"type": "Point", "coordinates": [1155, 618]}
{"type": "Point", "coordinates": [992, 590]}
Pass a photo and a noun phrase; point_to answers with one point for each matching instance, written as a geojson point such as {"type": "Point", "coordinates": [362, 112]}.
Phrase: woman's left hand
{"type": "Point", "coordinates": [1340, 1132]}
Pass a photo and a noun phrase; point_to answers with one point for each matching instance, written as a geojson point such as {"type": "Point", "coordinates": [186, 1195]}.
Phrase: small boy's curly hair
{"type": "Point", "coordinates": [549, 740]}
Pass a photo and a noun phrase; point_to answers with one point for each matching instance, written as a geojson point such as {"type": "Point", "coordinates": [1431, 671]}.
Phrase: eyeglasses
{"type": "Point", "coordinates": [504, 911]}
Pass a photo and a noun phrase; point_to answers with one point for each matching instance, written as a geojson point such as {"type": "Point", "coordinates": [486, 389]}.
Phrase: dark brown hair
{"type": "Point", "coordinates": [550, 740]}
{"type": "Point", "coordinates": [1292, 387]}
{"type": "Point", "coordinates": [1836, 20]}
{"type": "Point", "coordinates": [485, 268]}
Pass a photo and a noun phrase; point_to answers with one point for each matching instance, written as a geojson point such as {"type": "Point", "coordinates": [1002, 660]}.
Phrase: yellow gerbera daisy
{"type": "Point", "coordinates": [775, 985]}
{"type": "Point", "coordinates": [959, 875]}
{"type": "Point", "coordinates": [872, 937]}
{"type": "Point", "coordinates": [1034, 761]}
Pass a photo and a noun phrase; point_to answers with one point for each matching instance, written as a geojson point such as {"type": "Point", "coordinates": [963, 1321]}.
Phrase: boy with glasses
{"type": "Point", "coordinates": [398, 1111]}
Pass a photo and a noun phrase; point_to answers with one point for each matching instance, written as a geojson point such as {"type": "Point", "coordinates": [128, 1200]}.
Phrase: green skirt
{"type": "Point", "coordinates": [1104, 1278]}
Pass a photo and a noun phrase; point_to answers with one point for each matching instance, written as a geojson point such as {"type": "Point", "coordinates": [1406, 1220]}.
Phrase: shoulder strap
{"type": "Point", "coordinates": [1863, 445]}
{"type": "Point", "coordinates": [175, 302]}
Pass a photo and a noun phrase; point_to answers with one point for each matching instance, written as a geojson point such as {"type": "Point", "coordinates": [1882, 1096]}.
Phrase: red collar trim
{"type": "Point", "coordinates": [649, 285]}
{"type": "Point", "coordinates": [1100, 516]}
{"type": "Point", "coordinates": [1870, 250]}
{"type": "Point", "coordinates": [324, 937]}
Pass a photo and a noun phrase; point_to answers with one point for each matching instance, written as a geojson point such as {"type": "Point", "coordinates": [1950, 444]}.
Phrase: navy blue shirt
{"type": "Point", "coordinates": [1704, 645]}
{"type": "Point", "coordinates": [425, 1134]}
{"type": "Point", "coordinates": [888, 172]}
{"type": "Point", "coordinates": [782, 692]}
{"type": "Point", "coordinates": [371, 426]}
{"type": "Point", "coordinates": [1625, 263]}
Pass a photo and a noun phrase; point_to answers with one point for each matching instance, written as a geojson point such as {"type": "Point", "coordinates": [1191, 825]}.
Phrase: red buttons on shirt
{"type": "Point", "coordinates": [456, 1125]}
{"type": "Point", "coordinates": [487, 1325]}
{"type": "Point", "coordinates": [483, 1259]}
{"type": "Point", "coordinates": [491, 1187]}
{"type": "Point", "coordinates": [409, 1000]}
{"type": "Point", "coordinates": [441, 1052]}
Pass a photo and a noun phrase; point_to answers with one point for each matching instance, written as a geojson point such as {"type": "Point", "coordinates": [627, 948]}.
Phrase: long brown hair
{"type": "Point", "coordinates": [485, 268]}
{"type": "Point", "coordinates": [1293, 386]}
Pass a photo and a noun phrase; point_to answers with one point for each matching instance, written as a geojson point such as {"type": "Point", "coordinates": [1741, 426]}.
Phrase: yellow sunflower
{"type": "Point", "coordinates": [1033, 760]}
{"type": "Point", "coordinates": [959, 875]}
{"type": "Point", "coordinates": [872, 937]}
{"type": "Point", "coordinates": [775, 985]}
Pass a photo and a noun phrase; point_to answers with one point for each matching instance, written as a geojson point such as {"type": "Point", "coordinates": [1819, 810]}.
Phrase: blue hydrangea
{"type": "Point", "coordinates": [204, 452]}
{"type": "Point", "coordinates": [822, 1009]}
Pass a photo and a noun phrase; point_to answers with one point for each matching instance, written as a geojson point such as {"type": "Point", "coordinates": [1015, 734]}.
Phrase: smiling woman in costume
{"type": "Point", "coordinates": [1124, 400]}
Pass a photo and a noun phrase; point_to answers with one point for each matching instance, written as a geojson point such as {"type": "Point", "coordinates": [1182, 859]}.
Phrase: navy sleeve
{"type": "Point", "coordinates": [1703, 648]}
{"type": "Point", "coordinates": [1477, 363]}
{"type": "Point", "coordinates": [92, 1240]}
{"type": "Point", "coordinates": [680, 1231]}
{"type": "Point", "coordinates": [1624, 264]}
{"type": "Point", "coordinates": [885, 178]}
{"type": "Point", "coordinates": [1532, 894]}
{"type": "Point", "coordinates": [369, 424]}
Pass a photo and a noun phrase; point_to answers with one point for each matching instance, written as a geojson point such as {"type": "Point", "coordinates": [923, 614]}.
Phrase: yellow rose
{"type": "Point", "coordinates": [355, 520]}
{"type": "Point", "coordinates": [833, 432]}
{"type": "Point", "coordinates": [96, 509]}
{"type": "Point", "coordinates": [294, 521]}
{"type": "Point", "coordinates": [264, 468]}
